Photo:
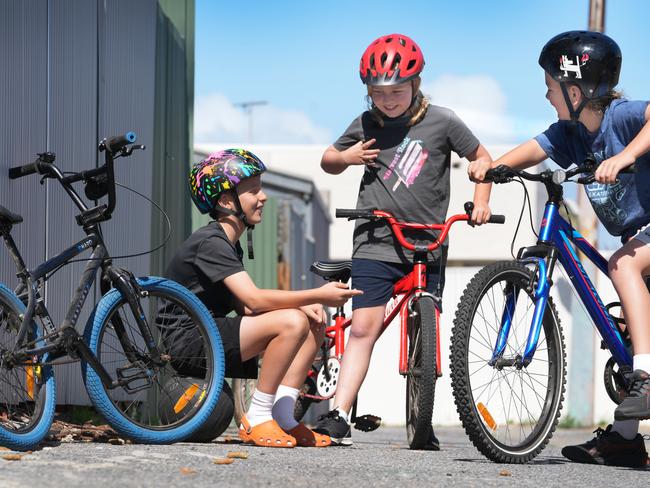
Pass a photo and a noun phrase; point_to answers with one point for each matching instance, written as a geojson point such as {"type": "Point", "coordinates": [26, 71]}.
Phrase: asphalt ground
{"type": "Point", "coordinates": [379, 458]}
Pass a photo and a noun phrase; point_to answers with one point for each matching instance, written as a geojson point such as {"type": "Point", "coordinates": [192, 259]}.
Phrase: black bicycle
{"type": "Point", "coordinates": [151, 355]}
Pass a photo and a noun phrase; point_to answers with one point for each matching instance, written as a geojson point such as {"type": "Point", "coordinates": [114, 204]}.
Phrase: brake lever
{"type": "Point", "coordinates": [128, 150]}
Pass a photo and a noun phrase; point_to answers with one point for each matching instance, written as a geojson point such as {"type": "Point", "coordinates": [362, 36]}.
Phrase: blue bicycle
{"type": "Point", "coordinates": [507, 352]}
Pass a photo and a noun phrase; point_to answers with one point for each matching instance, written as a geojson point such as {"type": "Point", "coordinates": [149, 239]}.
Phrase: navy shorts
{"type": "Point", "coordinates": [376, 280]}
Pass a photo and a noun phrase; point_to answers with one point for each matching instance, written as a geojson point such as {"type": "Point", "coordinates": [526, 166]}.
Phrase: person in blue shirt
{"type": "Point", "coordinates": [581, 70]}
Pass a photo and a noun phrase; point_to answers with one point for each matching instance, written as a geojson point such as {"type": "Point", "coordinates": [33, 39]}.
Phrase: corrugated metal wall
{"type": "Point", "coordinates": [76, 71]}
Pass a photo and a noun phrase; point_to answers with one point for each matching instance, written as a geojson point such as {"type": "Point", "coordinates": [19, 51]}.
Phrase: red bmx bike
{"type": "Point", "coordinates": [419, 348]}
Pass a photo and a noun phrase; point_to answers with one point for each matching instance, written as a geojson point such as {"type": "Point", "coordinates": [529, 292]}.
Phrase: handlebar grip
{"type": "Point", "coordinates": [24, 170]}
{"type": "Point", "coordinates": [497, 219]}
{"type": "Point", "coordinates": [115, 143]}
{"type": "Point", "coordinates": [351, 213]}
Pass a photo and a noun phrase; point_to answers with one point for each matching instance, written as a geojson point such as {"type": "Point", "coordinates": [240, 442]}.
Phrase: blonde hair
{"type": "Point", "coordinates": [417, 110]}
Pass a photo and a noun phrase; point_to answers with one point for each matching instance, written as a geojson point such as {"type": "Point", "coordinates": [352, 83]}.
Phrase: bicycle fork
{"type": "Point", "coordinates": [540, 293]}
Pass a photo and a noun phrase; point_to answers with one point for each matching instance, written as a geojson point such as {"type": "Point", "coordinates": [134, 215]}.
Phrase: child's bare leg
{"type": "Point", "coordinates": [299, 368]}
{"type": "Point", "coordinates": [279, 334]}
{"type": "Point", "coordinates": [364, 331]}
{"type": "Point", "coordinates": [627, 267]}
{"type": "Point", "coordinates": [289, 389]}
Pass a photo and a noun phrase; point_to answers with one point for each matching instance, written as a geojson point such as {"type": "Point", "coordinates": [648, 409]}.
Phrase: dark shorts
{"type": "Point", "coordinates": [376, 280]}
{"type": "Point", "coordinates": [235, 368]}
{"type": "Point", "coordinates": [182, 339]}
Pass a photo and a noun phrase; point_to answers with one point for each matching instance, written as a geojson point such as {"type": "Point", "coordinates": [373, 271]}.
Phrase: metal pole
{"type": "Point", "coordinates": [248, 108]}
{"type": "Point", "coordinates": [582, 394]}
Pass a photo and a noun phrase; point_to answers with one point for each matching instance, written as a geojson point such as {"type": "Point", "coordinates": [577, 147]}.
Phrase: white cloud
{"type": "Point", "coordinates": [481, 103]}
{"type": "Point", "coordinates": [216, 119]}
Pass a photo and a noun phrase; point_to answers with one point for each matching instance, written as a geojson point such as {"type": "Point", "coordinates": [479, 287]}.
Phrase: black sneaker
{"type": "Point", "coordinates": [636, 405]}
{"type": "Point", "coordinates": [333, 425]}
{"type": "Point", "coordinates": [609, 448]}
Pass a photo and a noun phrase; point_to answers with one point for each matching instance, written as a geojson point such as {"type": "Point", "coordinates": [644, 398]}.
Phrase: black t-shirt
{"type": "Point", "coordinates": [201, 264]}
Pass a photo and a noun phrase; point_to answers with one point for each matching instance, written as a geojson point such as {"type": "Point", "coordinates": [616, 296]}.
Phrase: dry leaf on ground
{"type": "Point", "coordinates": [12, 457]}
{"type": "Point", "coordinates": [223, 461]}
{"type": "Point", "coordinates": [186, 470]}
{"type": "Point", "coordinates": [237, 455]}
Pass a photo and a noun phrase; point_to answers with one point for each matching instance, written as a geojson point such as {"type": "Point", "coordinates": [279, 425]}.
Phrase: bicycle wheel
{"type": "Point", "coordinates": [422, 374]}
{"type": "Point", "coordinates": [509, 412]}
{"type": "Point", "coordinates": [155, 406]}
{"type": "Point", "coordinates": [28, 390]}
{"type": "Point", "coordinates": [242, 389]}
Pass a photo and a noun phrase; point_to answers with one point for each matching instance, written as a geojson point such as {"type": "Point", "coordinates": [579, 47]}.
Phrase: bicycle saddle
{"type": "Point", "coordinates": [9, 217]}
{"type": "Point", "coordinates": [333, 270]}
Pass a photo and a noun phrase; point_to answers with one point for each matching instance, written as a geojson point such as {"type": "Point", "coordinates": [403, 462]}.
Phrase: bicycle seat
{"type": "Point", "coordinates": [332, 270]}
{"type": "Point", "coordinates": [9, 217]}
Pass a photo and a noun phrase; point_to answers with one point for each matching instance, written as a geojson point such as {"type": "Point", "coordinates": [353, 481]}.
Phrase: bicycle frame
{"type": "Point", "coordinates": [65, 339]}
{"type": "Point", "coordinates": [405, 291]}
{"type": "Point", "coordinates": [556, 240]}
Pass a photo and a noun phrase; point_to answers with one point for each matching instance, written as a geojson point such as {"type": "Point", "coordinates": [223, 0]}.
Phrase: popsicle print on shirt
{"type": "Point", "coordinates": [409, 158]}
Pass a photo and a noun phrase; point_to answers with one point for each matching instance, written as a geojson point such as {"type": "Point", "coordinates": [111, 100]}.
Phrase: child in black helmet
{"type": "Point", "coordinates": [405, 145]}
{"type": "Point", "coordinates": [582, 69]}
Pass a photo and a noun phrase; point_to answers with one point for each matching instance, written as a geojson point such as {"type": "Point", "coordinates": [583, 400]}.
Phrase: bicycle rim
{"type": "Point", "coordinates": [27, 389]}
{"type": "Point", "coordinates": [168, 395]}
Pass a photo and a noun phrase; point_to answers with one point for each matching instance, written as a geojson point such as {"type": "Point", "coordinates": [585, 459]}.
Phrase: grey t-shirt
{"type": "Point", "coordinates": [411, 179]}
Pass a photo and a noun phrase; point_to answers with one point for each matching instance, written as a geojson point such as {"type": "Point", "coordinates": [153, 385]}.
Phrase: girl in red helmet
{"type": "Point", "coordinates": [405, 145]}
{"type": "Point", "coordinates": [581, 70]}
{"type": "Point", "coordinates": [287, 326]}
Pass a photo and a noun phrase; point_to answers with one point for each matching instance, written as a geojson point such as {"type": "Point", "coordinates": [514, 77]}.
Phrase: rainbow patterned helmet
{"type": "Point", "coordinates": [219, 172]}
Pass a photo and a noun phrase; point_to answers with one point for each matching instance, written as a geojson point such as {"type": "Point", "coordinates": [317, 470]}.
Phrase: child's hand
{"type": "Point", "coordinates": [314, 313]}
{"type": "Point", "coordinates": [360, 154]}
{"type": "Point", "coordinates": [335, 294]}
{"type": "Point", "coordinates": [608, 170]}
{"type": "Point", "coordinates": [481, 213]}
{"type": "Point", "coordinates": [477, 169]}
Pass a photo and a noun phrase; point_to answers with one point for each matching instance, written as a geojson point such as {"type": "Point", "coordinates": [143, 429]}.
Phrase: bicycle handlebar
{"type": "Point", "coordinates": [31, 168]}
{"type": "Point", "coordinates": [505, 174]}
{"type": "Point", "coordinates": [114, 147]}
{"type": "Point", "coordinates": [397, 226]}
{"type": "Point", "coordinates": [115, 143]}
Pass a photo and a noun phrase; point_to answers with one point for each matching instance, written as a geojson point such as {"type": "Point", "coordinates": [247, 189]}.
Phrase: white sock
{"type": "Point", "coordinates": [285, 402]}
{"type": "Point", "coordinates": [628, 429]}
{"type": "Point", "coordinates": [343, 414]}
{"type": "Point", "coordinates": [642, 361]}
{"type": "Point", "coordinates": [260, 408]}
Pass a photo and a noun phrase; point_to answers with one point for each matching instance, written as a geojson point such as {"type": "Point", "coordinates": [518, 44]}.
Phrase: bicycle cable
{"type": "Point", "coordinates": [526, 201]}
{"type": "Point", "coordinates": [125, 256]}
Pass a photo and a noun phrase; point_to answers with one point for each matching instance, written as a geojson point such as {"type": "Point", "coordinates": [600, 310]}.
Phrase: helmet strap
{"type": "Point", "coordinates": [574, 114]}
{"type": "Point", "coordinates": [239, 213]}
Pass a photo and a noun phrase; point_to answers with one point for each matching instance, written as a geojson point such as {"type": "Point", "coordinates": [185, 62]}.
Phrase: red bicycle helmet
{"type": "Point", "coordinates": [390, 60]}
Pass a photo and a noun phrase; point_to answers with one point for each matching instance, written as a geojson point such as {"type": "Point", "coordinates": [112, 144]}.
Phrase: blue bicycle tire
{"type": "Point", "coordinates": [45, 401]}
{"type": "Point", "coordinates": [124, 425]}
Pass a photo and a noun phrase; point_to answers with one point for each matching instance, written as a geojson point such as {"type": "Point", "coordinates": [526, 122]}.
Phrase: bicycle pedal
{"type": "Point", "coordinates": [134, 377]}
{"type": "Point", "coordinates": [367, 423]}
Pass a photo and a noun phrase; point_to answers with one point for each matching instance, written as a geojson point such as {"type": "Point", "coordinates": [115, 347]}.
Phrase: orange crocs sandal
{"type": "Point", "coordinates": [308, 438]}
{"type": "Point", "coordinates": [266, 434]}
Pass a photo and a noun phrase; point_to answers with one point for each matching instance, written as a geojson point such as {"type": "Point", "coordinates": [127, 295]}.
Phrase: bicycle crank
{"type": "Point", "coordinates": [328, 377]}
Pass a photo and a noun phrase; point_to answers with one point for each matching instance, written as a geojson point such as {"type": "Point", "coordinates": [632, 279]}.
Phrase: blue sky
{"type": "Point", "coordinates": [302, 58]}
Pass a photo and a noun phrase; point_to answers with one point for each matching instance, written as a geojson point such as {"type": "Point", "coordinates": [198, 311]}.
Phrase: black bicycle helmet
{"type": "Point", "coordinates": [591, 60]}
